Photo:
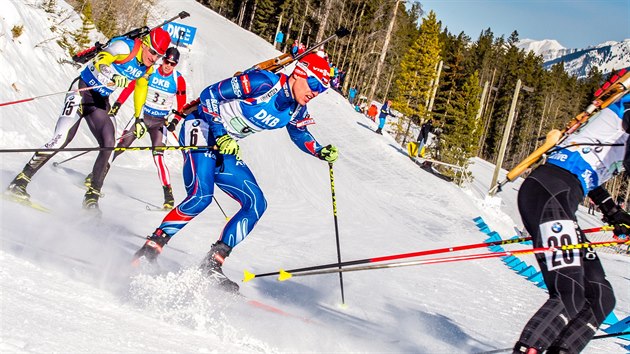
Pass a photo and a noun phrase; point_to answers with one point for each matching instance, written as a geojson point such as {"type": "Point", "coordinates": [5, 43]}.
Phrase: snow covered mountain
{"type": "Point", "coordinates": [63, 275]}
{"type": "Point", "coordinates": [606, 56]}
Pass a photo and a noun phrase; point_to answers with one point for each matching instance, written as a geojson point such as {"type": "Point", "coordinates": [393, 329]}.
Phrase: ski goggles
{"type": "Point", "coordinates": [314, 83]}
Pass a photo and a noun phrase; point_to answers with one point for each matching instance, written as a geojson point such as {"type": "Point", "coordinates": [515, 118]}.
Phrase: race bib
{"type": "Point", "coordinates": [556, 234]}
{"type": "Point", "coordinates": [196, 132]}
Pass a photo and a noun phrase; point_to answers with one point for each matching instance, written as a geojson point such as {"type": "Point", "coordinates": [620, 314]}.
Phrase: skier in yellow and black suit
{"type": "Point", "coordinates": [122, 61]}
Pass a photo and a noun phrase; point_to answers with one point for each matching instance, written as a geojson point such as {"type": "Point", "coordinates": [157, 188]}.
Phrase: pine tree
{"type": "Point", "coordinates": [461, 129]}
{"type": "Point", "coordinates": [82, 37]}
{"type": "Point", "coordinates": [418, 70]}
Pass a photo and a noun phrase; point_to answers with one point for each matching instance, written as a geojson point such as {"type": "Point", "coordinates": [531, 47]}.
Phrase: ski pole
{"type": "Point", "coordinates": [112, 148]}
{"type": "Point", "coordinates": [249, 276]}
{"type": "Point", "coordinates": [334, 207]}
{"type": "Point", "coordinates": [56, 164]}
{"type": "Point", "coordinates": [598, 229]}
{"type": "Point", "coordinates": [459, 258]}
{"type": "Point", "coordinates": [55, 93]}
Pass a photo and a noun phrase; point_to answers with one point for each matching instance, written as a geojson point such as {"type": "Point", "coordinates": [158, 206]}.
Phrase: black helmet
{"type": "Point", "coordinates": [172, 54]}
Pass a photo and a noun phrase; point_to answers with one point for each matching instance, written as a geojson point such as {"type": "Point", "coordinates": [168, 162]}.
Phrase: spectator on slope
{"type": "Point", "coordinates": [385, 111]}
{"type": "Point", "coordinates": [580, 297]}
{"type": "Point", "coordinates": [226, 111]}
{"type": "Point", "coordinates": [423, 137]}
{"type": "Point", "coordinates": [165, 85]}
{"type": "Point", "coordinates": [122, 61]}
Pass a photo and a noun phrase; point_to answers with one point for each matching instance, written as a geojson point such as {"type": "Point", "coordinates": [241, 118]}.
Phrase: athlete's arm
{"type": "Point", "coordinates": [117, 50]}
{"type": "Point", "coordinates": [126, 92]}
{"type": "Point", "coordinates": [300, 136]}
{"type": "Point", "coordinates": [140, 93]}
{"type": "Point", "coordinates": [180, 95]}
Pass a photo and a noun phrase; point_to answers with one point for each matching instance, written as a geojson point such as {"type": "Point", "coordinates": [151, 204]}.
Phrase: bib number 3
{"type": "Point", "coordinates": [556, 234]}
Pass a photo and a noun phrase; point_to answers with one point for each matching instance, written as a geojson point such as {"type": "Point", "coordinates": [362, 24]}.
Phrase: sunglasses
{"type": "Point", "coordinates": [171, 63]}
{"type": "Point", "coordinates": [315, 85]}
{"type": "Point", "coordinates": [153, 52]}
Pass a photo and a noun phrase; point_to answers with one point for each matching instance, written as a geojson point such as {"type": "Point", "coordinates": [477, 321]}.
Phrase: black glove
{"type": "Point", "coordinates": [172, 125]}
{"type": "Point", "coordinates": [613, 215]}
{"type": "Point", "coordinates": [114, 110]}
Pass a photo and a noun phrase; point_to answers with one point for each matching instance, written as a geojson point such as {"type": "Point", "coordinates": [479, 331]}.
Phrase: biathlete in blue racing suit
{"type": "Point", "coordinates": [227, 111]}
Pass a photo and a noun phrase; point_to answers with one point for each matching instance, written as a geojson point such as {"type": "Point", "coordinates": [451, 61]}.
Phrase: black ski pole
{"type": "Point", "coordinates": [334, 206]}
{"type": "Point", "coordinates": [55, 164]}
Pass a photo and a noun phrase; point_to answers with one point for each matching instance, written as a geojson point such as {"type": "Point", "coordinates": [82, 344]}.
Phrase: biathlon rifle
{"type": "Point", "coordinates": [278, 63]}
{"type": "Point", "coordinates": [274, 65]}
{"type": "Point", "coordinates": [609, 93]}
{"type": "Point", "coordinates": [84, 56]}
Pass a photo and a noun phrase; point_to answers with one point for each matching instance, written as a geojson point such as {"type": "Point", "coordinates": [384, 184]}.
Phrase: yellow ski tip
{"type": "Point", "coordinates": [284, 275]}
{"type": "Point", "coordinates": [247, 276]}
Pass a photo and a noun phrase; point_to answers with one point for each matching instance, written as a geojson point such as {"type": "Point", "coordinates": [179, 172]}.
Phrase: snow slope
{"type": "Point", "coordinates": [66, 286]}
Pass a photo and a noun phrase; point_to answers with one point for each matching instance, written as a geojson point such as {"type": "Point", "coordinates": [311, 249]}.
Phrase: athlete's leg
{"type": "Point", "coordinates": [237, 180]}
{"type": "Point", "coordinates": [65, 130]}
{"type": "Point", "coordinates": [157, 132]}
{"type": "Point", "coordinates": [126, 139]}
{"type": "Point", "coordinates": [198, 171]}
{"type": "Point", "coordinates": [103, 127]}
{"type": "Point", "coordinates": [600, 301]}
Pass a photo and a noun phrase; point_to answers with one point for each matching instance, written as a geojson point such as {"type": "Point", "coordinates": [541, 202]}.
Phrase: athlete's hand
{"type": "Point", "coordinates": [328, 153]}
{"type": "Point", "coordinates": [141, 128]}
{"type": "Point", "coordinates": [619, 219]}
{"type": "Point", "coordinates": [228, 146]}
{"type": "Point", "coordinates": [120, 81]}
{"type": "Point", "coordinates": [170, 126]}
{"type": "Point", "coordinates": [114, 110]}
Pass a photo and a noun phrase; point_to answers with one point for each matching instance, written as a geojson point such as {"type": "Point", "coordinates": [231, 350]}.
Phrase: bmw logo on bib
{"type": "Point", "coordinates": [556, 227]}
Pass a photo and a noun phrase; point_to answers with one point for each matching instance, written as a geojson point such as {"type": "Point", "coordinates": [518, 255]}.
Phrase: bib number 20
{"type": "Point", "coordinates": [556, 234]}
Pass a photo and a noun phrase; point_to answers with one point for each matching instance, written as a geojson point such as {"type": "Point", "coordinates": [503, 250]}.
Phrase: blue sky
{"type": "Point", "coordinates": [574, 23]}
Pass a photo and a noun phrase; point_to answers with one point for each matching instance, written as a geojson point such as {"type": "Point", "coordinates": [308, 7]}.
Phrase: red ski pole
{"type": "Point", "coordinates": [52, 94]}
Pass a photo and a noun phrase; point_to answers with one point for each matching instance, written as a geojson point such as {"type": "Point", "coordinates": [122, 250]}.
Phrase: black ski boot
{"type": "Point", "coordinates": [379, 131]}
{"type": "Point", "coordinates": [152, 247]}
{"type": "Point", "coordinates": [211, 265]}
{"type": "Point", "coordinates": [17, 188]}
{"type": "Point", "coordinates": [169, 200]}
{"type": "Point", "coordinates": [90, 201]}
